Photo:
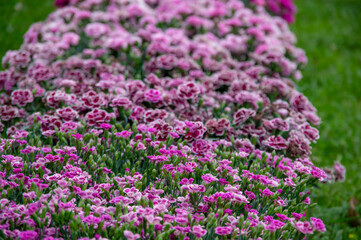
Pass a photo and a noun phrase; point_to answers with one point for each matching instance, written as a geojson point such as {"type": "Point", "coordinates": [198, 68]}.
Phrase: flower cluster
{"type": "Point", "coordinates": [156, 119]}
{"type": "Point", "coordinates": [337, 174]}
{"type": "Point", "coordinates": [283, 8]}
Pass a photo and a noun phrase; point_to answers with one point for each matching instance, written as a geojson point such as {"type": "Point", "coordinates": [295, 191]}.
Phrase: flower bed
{"type": "Point", "coordinates": [156, 119]}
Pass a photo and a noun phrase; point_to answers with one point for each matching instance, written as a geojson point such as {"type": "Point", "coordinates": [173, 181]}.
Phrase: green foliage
{"type": "Point", "coordinates": [16, 17]}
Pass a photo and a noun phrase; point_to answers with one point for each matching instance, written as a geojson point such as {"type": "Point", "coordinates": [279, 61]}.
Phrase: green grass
{"type": "Point", "coordinates": [16, 17]}
{"type": "Point", "coordinates": [330, 32]}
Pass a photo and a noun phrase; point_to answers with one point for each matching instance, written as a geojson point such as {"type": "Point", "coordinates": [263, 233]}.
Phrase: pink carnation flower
{"type": "Point", "coordinates": [223, 230]}
{"type": "Point", "coordinates": [153, 95]}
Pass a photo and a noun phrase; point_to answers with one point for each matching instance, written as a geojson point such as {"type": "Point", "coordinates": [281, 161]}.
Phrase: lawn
{"type": "Point", "coordinates": [330, 32]}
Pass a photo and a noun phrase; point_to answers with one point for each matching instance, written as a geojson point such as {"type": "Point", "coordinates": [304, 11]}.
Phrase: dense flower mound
{"type": "Point", "coordinates": [156, 119]}
{"type": "Point", "coordinates": [283, 8]}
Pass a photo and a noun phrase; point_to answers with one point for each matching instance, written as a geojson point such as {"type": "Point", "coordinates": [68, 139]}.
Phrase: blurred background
{"type": "Point", "coordinates": [330, 33]}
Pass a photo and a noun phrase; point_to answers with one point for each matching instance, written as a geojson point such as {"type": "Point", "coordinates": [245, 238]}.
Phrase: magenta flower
{"type": "Point", "coordinates": [318, 224]}
{"type": "Point", "coordinates": [242, 115]}
{"type": "Point", "coordinates": [340, 172]}
{"type": "Point", "coordinates": [186, 181]}
{"type": "Point", "coordinates": [266, 192]}
{"type": "Point", "coordinates": [274, 225]}
{"type": "Point", "coordinates": [208, 178]}
{"type": "Point", "coordinates": [67, 113]}
{"type": "Point", "coordinates": [20, 134]}
{"type": "Point", "coordinates": [131, 236]}
{"type": "Point", "coordinates": [91, 220]}
{"type": "Point", "coordinates": [250, 195]}
{"type": "Point", "coordinates": [8, 112]}
{"type": "Point", "coordinates": [228, 211]}
{"type": "Point", "coordinates": [194, 188]}
{"type": "Point", "coordinates": [277, 143]}
{"type": "Point", "coordinates": [29, 195]}
{"type": "Point", "coordinates": [69, 126]}
{"type": "Point", "coordinates": [21, 97]}
{"type": "Point", "coordinates": [304, 227]}
{"type": "Point", "coordinates": [121, 102]}
{"type": "Point", "coordinates": [198, 231]}
{"type": "Point", "coordinates": [96, 29]}
{"type": "Point", "coordinates": [282, 217]}
{"type": "Point", "coordinates": [93, 100]}
{"type": "Point", "coordinates": [48, 133]}
{"type": "Point", "coordinates": [153, 95]}
{"type": "Point", "coordinates": [298, 216]}
{"type": "Point", "coordinates": [200, 147]}
{"type": "Point", "coordinates": [310, 132]}
{"type": "Point", "coordinates": [223, 230]}
{"type": "Point", "coordinates": [188, 91]}
{"type": "Point", "coordinates": [289, 182]}
{"type": "Point", "coordinates": [106, 126]}
{"type": "Point", "coordinates": [217, 127]}
{"type": "Point", "coordinates": [61, 3]}
{"type": "Point", "coordinates": [62, 183]}
{"type": "Point", "coordinates": [153, 115]}
{"type": "Point", "coordinates": [259, 2]}
{"type": "Point", "coordinates": [77, 136]}
{"type": "Point", "coordinates": [174, 135]}
{"type": "Point", "coordinates": [276, 123]}
{"type": "Point", "coordinates": [28, 235]}
{"type": "Point", "coordinates": [123, 134]}
{"type": "Point", "coordinates": [106, 170]}
{"type": "Point", "coordinates": [97, 117]}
